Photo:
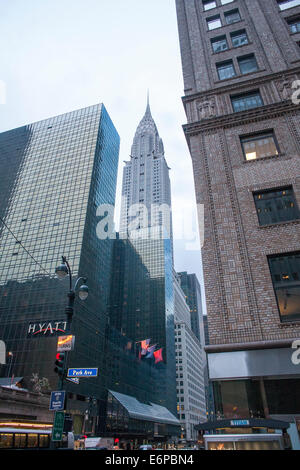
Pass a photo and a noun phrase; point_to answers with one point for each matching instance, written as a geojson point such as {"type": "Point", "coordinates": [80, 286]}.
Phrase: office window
{"type": "Point", "coordinates": [209, 5]}
{"type": "Point", "coordinates": [246, 101]}
{"type": "Point", "coordinates": [219, 44]}
{"type": "Point", "coordinates": [276, 205]}
{"type": "Point", "coordinates": [285, 4]}
{"type": "Point", "coordinates": [214, 22]}
{"type": "Point", "coordinates": [248, 64]}
{"type": "Point", "coordinates": [232, 16]}
{"type": "Point", "coordinates": [285, 273]}
{"type": "Point", "coordinates": [239, 38]}
{"type": "Point", "coordinates": [226, 70]}
{"type": "Point", "coordinates": [259, 146]}
{"type": "Point", "coordinates": [294, 25]}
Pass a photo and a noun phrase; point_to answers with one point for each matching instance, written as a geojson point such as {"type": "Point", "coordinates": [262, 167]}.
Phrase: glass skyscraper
{"type": "Point", "coordinates": [142, 307]}
{"type": "Point", "coordinates": [53, 176]}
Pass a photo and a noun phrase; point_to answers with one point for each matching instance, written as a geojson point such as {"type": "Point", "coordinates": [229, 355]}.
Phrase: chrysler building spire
{"type": "Point", "coordinates": [146, 176]}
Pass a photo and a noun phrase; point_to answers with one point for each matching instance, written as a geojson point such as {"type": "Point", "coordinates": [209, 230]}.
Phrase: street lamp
{"type": "Point", "coordinates": [11, 356]}
{"type": "Point", "coordinates": [64, 270]}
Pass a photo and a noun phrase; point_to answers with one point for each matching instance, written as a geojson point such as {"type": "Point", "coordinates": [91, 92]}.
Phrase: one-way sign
{"type": "Point", "coordinates": [83, 372]}
{"type": "Point", "coordinates": [57, 401]}
{"type": "Point", "coordinates": [58, 426]}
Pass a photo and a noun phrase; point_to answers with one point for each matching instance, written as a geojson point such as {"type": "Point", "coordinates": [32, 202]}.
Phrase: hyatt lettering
{"type": "Point", "coordinates": [44, 328]}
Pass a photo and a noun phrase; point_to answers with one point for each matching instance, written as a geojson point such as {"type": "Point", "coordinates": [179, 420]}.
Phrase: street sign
{"type": "Point", "coordinates": [83, 372]}
{"type": "Point", "coordinates": [58, 426]}
{"type": "Point", "coordinates": [2, 352]}
{"type": "Point", "coordinates": [74, 380]}
{"type": "Point", "coordinates": [57, 401]}
{"type": "Point", "coordinates": [65, 343]}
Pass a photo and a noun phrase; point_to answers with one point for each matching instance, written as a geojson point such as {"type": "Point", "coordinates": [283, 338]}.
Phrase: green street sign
{"type": "Point", "coordinates": [58, 426]}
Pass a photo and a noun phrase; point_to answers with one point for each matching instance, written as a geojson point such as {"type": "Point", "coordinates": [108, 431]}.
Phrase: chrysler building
{"type": "Point", "coordinates": [146, 191]}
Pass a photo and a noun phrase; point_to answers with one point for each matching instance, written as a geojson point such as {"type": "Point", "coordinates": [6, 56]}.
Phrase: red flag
{"type": "Point", "coordinates": [158, 356]}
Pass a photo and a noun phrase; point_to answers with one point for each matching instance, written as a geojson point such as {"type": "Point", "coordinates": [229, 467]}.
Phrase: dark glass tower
{"type": "Point", "coordinates": [142, 307]}
{"type": "Point", "coordinates": [53, 176]}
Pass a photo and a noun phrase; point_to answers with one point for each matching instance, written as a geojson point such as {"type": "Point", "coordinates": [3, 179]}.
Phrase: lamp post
{"type": "Point", "coordinates": [62, 271]}
{"type": "Point", "coordinates": [11, 356]}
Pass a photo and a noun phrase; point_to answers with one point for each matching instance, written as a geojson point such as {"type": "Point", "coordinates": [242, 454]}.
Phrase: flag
{"type": "Point", "coordinates": [158, 356]}
{"type": "Point", "coordinates": [150, 351]}
{"type": "Point", "coordinates": [145, 345]}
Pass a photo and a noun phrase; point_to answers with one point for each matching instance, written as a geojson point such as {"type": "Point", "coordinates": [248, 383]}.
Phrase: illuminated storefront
{"type": "Point", "coordinates": [244, 434]}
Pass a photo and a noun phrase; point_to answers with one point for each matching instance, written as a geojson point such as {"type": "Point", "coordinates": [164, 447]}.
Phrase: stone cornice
{"type": "Point", "coordinates": [239, 86]}
{"type": "Point", "coordinates": [241, 118]}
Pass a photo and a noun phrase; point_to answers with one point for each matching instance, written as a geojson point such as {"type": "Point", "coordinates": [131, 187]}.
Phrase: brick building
{"type": "Point", "coordinates": [241, 64]}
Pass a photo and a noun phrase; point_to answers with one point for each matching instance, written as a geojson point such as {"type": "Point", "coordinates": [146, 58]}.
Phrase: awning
{"type": "Point", "coordinates": [8, 381]}
{"type": "Point", "coordinates": [242, 423]}
{"type": "Point", "coordinates": [145, 412]}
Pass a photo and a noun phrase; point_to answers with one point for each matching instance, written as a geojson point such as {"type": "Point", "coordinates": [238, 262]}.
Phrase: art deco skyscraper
{"type": "Point", "coordinates": [241, 63]}
{"type": "Point", "coordinates": [146, 181]}
{"type": "Point", "coordinates": [143, 306]}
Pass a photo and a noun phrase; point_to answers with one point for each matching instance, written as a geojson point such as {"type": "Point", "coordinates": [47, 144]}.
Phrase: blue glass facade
{"type": "Point", "coordinates": [53, 176]}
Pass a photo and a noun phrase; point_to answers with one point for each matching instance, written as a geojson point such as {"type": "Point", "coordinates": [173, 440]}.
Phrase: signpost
{"type": "Point", "coordinates": [74, 380]}
{"type": "Point", "coordinates": [65, 343]}
{"type": "Point", "coordinates": [58, 426]}
{"type": "Point", "coordinates": [57, 401]}
{"type": "Point", "coordinates": [83, 372]}
{"type": "Point", "coordinates": [2, 352]}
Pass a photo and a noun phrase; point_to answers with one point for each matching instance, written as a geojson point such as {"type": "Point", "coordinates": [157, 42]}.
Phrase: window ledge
{"type": "Point", "coordinates": [279, 155]}
{"type": "Point", "coordinates": [289, 323]}
{"type": "Point", "coordinates": [275, 224]}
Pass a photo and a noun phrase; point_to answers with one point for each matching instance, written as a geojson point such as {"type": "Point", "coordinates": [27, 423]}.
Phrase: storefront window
{"type": "Point", "coordinates": [238, 399]}
{"type": "Point", "coordinates": [6, 441]}
{"type": "Point", "coordinates": [220, 446]}
{"type": "Point", "coordinates": [244, 445]}
{"type": "Point", "coordinates": [44, 440]}
{"type": "Point", "coordinates": [20, 440]}
{"type": "Point", "coordinates": [33, 440]}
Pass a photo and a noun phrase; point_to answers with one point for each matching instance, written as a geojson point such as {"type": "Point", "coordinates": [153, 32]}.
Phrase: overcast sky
{"type": "Point", "coordinates": [61, 55]}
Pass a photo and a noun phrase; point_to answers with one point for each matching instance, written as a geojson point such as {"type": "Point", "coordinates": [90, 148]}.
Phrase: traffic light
{"type": "Point", "coordinates": [59, 363]}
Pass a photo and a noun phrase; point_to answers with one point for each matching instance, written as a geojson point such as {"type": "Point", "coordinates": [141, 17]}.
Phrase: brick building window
{"type": "Point", "coordinates": [209, 4]}
{"type": "Point", "coordinates": [285, 273]}
{"type": "Point", "coordinates": [248, 64]}
{"type": "Point", "coordinates": [294, 25]}
{"type": "Point", "coordinates": [239, 38]}
{"type": "Point", "coordinates": [246, 101]}
{"type": "Point", "coordinates": [276, 205]}
{"type": "Point", "coordinates": [214, 22]}
{"type": "Point", "coordinates": [285, 4]}
{"type": "Point", "coordinates": [226, 70]}
{"type": "Point", "coordinates": [232, 16]}
{"type": "Point", "coordinates": [219, 44]}
{"type": "Point", "coordinates": [259, 145]}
